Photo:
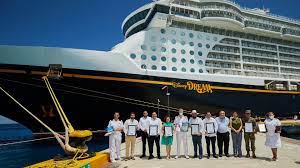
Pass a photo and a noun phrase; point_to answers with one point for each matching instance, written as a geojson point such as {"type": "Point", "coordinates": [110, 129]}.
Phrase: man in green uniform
{"type": "Point", "coordinates": [249, 136]}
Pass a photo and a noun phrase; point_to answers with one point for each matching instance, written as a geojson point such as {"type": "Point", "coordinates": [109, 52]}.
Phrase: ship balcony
{"type": "Point", "coordinates": [222, 15]}
{"type": "Point", "coordinates": [292, 32]}
{"type": "Point", "coordinates": [269, 28]}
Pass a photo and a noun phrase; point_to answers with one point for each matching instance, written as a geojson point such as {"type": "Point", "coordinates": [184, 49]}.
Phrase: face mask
{"type": "Point", "coordinates": [271, 117]}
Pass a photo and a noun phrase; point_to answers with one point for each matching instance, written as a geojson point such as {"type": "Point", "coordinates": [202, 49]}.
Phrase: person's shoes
{"type": "Point", "coordinates": [195, 156]}
{"type": "Point", "coordinates": [176, 157]}
{"type": "Point", "coordinates": [253, 155]}
{"type": "Point", "coordinates": [215, 156]}
{"type": "Point", "coordinates": [274, 159]}
{"type": "Point", "coordinates": [187, 157]}
{"type": "Point", "coordinates": [150, 157]}
{"type": "Point", "coordinates": [227, 155]}
{"type": "Point", "coordinates": [118, 158]}
{"type": "Point", "coordinates": [132, 158]}
{"type": "Point", "coordinates": [240, 156]}
{"type": "Point", "coordinates": [208, 157]}
{"type": "Point", "coordinates": [158, 157]}
{"type": "Point", "coordinates": [247, 155]}
{"type": "Point", "coordinates": [235, 155]}
{"type": "Point", "coordinates": [200, 157]}
{"type": "Point", "coordinates": [113, 161]}
{"type": "Point", "coordinates": [220, 155]}
{"type": "Point", "coordinates": [142, 156]}
{"type": "Point", "coordinates": [125, 159]}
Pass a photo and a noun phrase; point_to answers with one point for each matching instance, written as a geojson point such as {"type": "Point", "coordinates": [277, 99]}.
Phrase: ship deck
{"type": "Point", "coordinates": [288, 157]}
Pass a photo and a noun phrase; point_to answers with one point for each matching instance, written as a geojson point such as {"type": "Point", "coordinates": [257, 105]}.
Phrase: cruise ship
{"type": "Point", "coordinates": [207, 55]}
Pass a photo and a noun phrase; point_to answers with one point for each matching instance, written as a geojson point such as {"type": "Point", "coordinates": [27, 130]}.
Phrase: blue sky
{"type": "Point", "coordinates": [86, 24]}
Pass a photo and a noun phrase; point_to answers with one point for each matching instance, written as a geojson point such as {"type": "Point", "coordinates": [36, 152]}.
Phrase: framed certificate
{"type": "Point", "coordinates": [210, 128]}
{"type": "Point", "coordinates": [153, 130]}
{"type": "Point", "coordinates": [168, 131]}
{"type": "Point", "coordinates": [184, 127]}
{"type": "Point", "coordinates": [131, 130]}
{"type": "Point", "coordinates": [195, 129]}
{"type": "Point", "coordinates": [262, 128]}
{"type": "Point", "coordinates": [249, 127]}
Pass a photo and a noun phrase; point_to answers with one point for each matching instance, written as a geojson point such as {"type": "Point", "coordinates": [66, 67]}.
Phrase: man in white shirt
{"type": "Point", "coordinates": [143, 126]}
{"type": "Point", "coordinates": [130, 128]}
{"type": "Point", "coordinates": [196, 135]}
{"type": "Point", "coordinates": [211, 128]}
{"type": "Point", "coordinates": [115, 138]}
{"type": "Point", "coordinates": [154, 127]}
{"type": "Point", "coordinates": [223, 133]}
{"type": "Point", "coordinates": [181, 125]}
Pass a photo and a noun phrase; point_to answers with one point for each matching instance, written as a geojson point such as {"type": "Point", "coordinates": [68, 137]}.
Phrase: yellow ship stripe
{"type": "Point", "coordinates": [70, 75]}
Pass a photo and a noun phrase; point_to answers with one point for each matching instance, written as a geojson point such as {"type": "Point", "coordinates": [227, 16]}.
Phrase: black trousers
{"type": "Point", "coordinates": [211, 140]}
{"type": "Point", "coordinates": [151, 141]}
{"type": "Point", "coordinates": [144, 136]}
{"type": "Point", "coordinates": [223, 138]}
{"type": "Point", "coordinates": [197, 142]}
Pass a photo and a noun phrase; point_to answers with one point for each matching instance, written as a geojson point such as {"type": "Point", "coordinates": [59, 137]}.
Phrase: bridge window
{"type": "Point", "coordinates": [135, 18]}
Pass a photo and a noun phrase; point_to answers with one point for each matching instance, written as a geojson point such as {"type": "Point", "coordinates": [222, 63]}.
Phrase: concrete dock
{"type": "Point", "coordinates": [289, 157]}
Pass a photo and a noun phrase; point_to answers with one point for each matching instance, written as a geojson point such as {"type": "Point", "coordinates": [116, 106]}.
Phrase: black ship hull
{"type": "Point", "coordinates": [90, 98]}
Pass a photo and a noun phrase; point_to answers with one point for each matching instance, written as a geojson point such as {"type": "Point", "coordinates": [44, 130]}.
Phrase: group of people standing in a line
{"type": "Point", "coordinates": [214, 129]}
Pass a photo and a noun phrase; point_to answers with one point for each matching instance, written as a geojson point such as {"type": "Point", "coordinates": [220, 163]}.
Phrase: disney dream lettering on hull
{"type": "Point", "coordinates": [207, 55]}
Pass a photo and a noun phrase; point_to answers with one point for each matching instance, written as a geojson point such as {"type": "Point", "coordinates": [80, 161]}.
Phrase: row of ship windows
{"type": "Point", "coordinates": [164, 59]}
{"type": "Point", "coordinates": [164, 68]}
{"type": "Point", "coordinates": [173, 50]}
{"type": "Point", "coordinates": [173, 41]}
{"type": "Point", "coordinates": [191, 35]}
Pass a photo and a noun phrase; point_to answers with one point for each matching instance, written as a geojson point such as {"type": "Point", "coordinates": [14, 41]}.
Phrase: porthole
{"type": "Point", "coordinates": [199, 36]}
{"type": "Point", "coordinates": [163, 40]}
{"type": "Point", "coordinates": [207, 46]}
{"type": "Point", "coordinates": [192, 70]}
{"type": "Point", "coordinates": [153, 48]}
{"type": "Point", "coordinates": [192, 52]}
{"type": "Point", "coordinates": [144, 57]}
{"type": "Point", "coordinates": [133, 56]}
{"type": "Point", "coordinates": [183, 60]}
{"type": "Point", "coordinates": [154, 67]}
{"type": "Point", "coordinates": [163, 31]}
{"type": "Point", "coordinates": [174, 69]}
{"type": "Point", "coordinates": [174, 59]}
{"type": "Point", "coordinates": [200, 45]}
{"type": "Point", "coordinates": [182, 51]}
{"type": "Point", "coordinates": [144, 66]}
{"type": "Point", "coordinates": [163, 68]}
{"type": "Point", "coordinates": [192, 61]}
{"type": "Point", "coordinates": [200, 62]}
{"type": "Point", "coordinates": [200, 71]}
{"type": "Point", "coordinates": [163, 59]}
{"type": "Point", "coordinates": [200, 53]}
{"type": "Point", "coordinates": [183, 69]}
{"type": "Point", "coordinates": [154, 58]}
{"type": "Point", "coordinates": [173, 50]}
{"type": "Point", "coordinates": [143, 47]}
{"type": "Point", "coordinates": [173, 41]}
{"type": "Point", "coordinates": [182, 42]}
{"type": "Point", "coordinates": [163, 49]}
{"type": "Point", "coordinates": [191, 44]}
{"type": "Point", "coordinates": [191, 35]}
{"type": "Point", "coordinates": [182, 33]}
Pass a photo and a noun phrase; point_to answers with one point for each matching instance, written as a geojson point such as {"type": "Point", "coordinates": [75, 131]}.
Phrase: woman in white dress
{"type": "Point", "coordinates": [273, 134]}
